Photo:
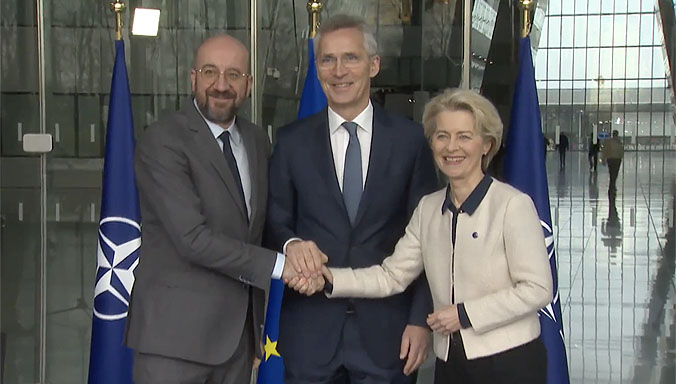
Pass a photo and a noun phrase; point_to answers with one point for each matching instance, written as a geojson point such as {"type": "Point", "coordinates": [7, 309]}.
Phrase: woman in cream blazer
{"type": "Point", "coordinates": [481, 245]}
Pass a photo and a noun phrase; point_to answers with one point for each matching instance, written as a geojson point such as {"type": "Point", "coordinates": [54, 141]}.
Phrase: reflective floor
{"type": "Point", "coordinates": [616, 268]}
{"type": "Point", "coordinates": [616, 271]}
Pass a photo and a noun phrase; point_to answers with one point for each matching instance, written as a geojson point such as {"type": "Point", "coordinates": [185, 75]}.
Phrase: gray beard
{"type": "Point", "coordinates": [219, 118]}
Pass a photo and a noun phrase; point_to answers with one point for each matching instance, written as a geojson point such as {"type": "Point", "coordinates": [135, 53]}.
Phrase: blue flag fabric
{"type": "Point", "coordinates": [271, 370]}
{"type": "Point", "coordinates": [524, 168]}
{"type": "Point", "coordinates": [312, 100]}
{"type": "Point", "coordinates": [119, 238]}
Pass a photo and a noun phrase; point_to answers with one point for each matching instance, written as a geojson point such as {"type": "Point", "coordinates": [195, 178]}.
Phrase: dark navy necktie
{"type": "Point", "coordinates": [232, 163]}
{"type": "Point", "coordinates": [352, 173]}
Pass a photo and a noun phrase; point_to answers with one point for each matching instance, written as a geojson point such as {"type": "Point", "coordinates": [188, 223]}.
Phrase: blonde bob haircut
{"type": "Point", "coordinates": [486, 118]}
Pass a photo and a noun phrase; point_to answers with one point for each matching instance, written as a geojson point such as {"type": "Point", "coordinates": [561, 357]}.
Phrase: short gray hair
{"type": "Point", "coordinates": [486, 117]}
{"type": "Point", "coordinates": [346, 21]}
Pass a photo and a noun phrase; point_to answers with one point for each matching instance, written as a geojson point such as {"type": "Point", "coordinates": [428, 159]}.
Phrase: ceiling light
{"type": "Point", "coordinates": [146, 22]}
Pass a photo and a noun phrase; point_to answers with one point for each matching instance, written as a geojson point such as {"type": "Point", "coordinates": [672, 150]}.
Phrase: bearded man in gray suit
{"type": "Point", "coordinates": [196, 311]}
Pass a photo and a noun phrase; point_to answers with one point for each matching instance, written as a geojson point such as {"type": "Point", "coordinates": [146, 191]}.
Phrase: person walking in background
{"type": "Point", "coordinates": [563, 147]}
{"type": "Point", "coordinates": [593, 153]}
{"type": "Point", "coordinates": [613, 151]}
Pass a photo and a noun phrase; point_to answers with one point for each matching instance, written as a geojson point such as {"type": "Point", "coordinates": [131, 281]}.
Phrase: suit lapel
{"type": "Point", "coordinates": [379, 161]}
{"type": "Point", "coordinates": [252, 154]}
{"type": "Point", "coordinates": [207, 144]}
{"type": "Point", "coordinates": [323, 155]}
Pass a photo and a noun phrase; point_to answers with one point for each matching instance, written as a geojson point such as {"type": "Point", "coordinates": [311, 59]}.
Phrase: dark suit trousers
{"type": "Point", "coordinates": [155, 369]}
{"type": "Point", "coordinates": [593, 160]}
{"type": "Point", "coordinates": [525, 364]}
{"type": "Point", "coordinates": [351, 365]}
{"type": "Point", "coordinates": [614, 169]}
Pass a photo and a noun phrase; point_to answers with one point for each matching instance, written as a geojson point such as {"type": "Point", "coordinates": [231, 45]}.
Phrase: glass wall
{"type": "Point", "coordinates": [601, 66]}
{"type": "Point", "coordinates": [20, 196]}
{"type": "Point", "coordinates": [50, 213]}
{"type": "Point", "coordinates": [419, 42]}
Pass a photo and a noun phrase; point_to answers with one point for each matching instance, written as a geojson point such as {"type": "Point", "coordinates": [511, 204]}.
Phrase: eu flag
{"type": "Point", "coordinates": [119, 238]}
{"type": "Point", "coordinates": [271, 370]}
{"type": "Point", "coordinates": [524, 168]}
{"type": "Point", "coordinates": [313, 99]}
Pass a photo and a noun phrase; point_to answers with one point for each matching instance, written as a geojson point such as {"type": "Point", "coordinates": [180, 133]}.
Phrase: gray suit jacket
{"type": "Point", "coordinates": [199, 258]}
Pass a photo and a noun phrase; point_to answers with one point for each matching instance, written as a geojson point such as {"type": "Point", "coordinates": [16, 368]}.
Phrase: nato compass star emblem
{"type": "Point", "coordinates": [117, 258]}
{"type": "Point", "coordinates": [548, 311]}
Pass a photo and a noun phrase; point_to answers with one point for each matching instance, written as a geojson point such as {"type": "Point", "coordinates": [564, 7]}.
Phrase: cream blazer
{"type": "Point", "coordinates": [502, 272]}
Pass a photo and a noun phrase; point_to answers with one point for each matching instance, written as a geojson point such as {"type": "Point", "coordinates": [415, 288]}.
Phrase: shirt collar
{"type": "Point", "coordinates": [364, 119]}
{"type": "Point", "coordinates": [473, 200]}
{"type": "Point", "coordinates": [217, 130]}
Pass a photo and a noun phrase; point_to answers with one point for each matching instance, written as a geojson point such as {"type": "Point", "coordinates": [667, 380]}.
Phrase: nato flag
{"type": "Point", "coordinates": [524, 168]}
{"type": "Point", "coordinates": [271, 370]}
{"type": "Point", "coordinates": [119, 238]}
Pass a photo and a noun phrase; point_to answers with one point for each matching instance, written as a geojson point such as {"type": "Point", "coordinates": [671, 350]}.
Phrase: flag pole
{"type": "Point", "coordinates": [314, 8]}
{"type": "Point", "coordinates": [118, 7]}
{"type": "Point", "coordinates": [526, 9]}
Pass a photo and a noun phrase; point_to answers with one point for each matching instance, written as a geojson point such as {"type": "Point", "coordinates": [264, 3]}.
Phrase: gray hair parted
{"type": "Point", "coordinates": [341, 21]}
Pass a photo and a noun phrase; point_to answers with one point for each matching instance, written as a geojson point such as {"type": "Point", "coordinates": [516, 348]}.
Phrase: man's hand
{"type": "Point", "coordinates": [289, 272]}
{"type": "Point", "coordinates": [414, 347]}
{"type": "Point", "coordinates": [306, 258]}
{"type": "Point", "coordinates": [306, 286]}
{"type": "Point", "coordinates": [445, 321]}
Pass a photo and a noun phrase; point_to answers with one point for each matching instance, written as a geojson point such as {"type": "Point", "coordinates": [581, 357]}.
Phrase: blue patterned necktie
{"type": "Point", "coordinates": [352, 173]}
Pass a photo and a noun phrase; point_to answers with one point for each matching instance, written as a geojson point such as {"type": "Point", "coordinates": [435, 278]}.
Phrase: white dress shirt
{"type": "Point", "coordinates": [239, 151]}
{"type": "Point", "coordinates": [340, 138]}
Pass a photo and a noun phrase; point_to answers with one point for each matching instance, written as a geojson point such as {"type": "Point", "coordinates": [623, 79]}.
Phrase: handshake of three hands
{"type": "Point", "coordinates": [305, 270]}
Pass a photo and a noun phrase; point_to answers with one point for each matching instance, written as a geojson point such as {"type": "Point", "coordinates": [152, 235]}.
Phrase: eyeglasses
{"type": "Point", "coordinates": [210, 74]}
{"type": "Point", "coordinates": [349, 60]}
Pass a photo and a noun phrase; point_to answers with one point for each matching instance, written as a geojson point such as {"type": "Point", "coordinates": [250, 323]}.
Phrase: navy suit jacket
{"type": "Point", "coordinates": [305, 201]}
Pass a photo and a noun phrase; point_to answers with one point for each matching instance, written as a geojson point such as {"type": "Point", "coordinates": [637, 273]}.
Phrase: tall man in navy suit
{"type": "Point", "coordinates": [344, 183]}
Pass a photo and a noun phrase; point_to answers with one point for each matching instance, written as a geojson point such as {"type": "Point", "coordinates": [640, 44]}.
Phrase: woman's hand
{"type": "Point", "coordinates": [310, 286]}
{"type": "Point", "coordinates": [306, 286]}
{"type": "Point", "coordinates": [445, 321]}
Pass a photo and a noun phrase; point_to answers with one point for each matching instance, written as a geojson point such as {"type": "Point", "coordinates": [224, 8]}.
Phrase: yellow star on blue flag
{"type": "Point", "coordinates": [270, 348]}
{"type": "Point", "coordinates": [271, 370]}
